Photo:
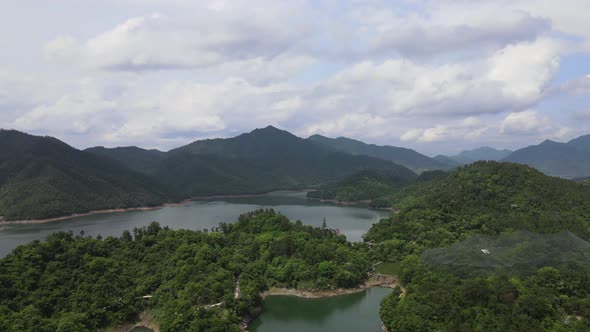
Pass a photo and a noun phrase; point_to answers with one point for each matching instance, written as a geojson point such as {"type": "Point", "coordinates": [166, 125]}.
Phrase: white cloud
{"type": "Point", "coordinates": [157, 42]}
{"type": "Point", "coordinates": [470, 128]}
{"type": "Point", "coordinates": [532, 123]}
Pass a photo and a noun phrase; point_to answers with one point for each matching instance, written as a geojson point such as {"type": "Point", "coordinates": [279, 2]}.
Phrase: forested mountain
{"type": "Point", "coordinates": [482, 153]}
{"type": "Point", "coordinates": [76, 283]}
{"type": "Point", "coordinates": [42, 177]}
{"type": "Point", "coordinates": [568, 160]}
{"type": "Point", "coordinates": [402, 156]}
{"type": "Point", "coordinates": [493, 199]}
{"type": "Point", "coordinates": [262, 160]}
{"type": "Point", "coordinates": [141, 160]}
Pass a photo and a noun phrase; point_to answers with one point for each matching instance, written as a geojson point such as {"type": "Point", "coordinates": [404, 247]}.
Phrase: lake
{"type": "Point", "coordinates": [353, 312]}
{"type": "Point", "coordinates": [197, 215]}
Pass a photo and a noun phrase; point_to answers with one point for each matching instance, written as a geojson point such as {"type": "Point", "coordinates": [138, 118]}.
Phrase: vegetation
{"type": "Point", "coordinates": [41, 177]}
{"type": "Point", "coordinates": [361, 186]}
{"type": "Point", "coordinates": [78, 283]}
{"type": "Point", "coordinates": [401, 156]}
{"type": "Point", "coordinates": [487, 198]}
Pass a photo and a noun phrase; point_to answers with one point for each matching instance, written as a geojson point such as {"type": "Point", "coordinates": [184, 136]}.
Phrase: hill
{"type": "Point", "coordinates": [402, 156]}
{"type": "Point", "coordinates": [361, 186]}
{"type": "Point", "coordinates": [42, 177]}
{"type": "Point", "coordinates": [440, 231]}
{"type": "Point", "coordinates": [488, 198]}
{"type": "Point", "coordinates": [568, 160]}
{"type": "Point", "coordinates": [263, 160]}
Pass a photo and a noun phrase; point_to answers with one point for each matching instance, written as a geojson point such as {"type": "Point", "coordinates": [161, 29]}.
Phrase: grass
{"type": "Point", "coordinates": [388, 268]}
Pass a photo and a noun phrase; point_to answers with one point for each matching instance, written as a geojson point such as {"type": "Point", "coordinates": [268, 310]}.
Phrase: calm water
{"type": "Point", "coordinates": [354, 312]}
{"type": "Point", "coordinates": [198, 215]}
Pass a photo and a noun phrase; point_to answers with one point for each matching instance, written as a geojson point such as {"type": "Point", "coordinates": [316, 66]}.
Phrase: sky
{"type": "Point", "coordinates": [437, 76]}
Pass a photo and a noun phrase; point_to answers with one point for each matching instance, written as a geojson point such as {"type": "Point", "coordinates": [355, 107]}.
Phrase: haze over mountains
{"type": "Point", "coordinates": [568, 160]}
{"type": "Point", "coordinates": [34, 171]}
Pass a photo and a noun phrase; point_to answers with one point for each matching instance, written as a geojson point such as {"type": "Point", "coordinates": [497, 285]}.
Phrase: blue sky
{"type": "Point", "coordinates": [437, 76]}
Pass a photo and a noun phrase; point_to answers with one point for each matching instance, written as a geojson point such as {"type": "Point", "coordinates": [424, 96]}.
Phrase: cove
{"type": "Point", "coordinates": [201, 214]}
{"type": "Point", "coordinates": [352, 312]}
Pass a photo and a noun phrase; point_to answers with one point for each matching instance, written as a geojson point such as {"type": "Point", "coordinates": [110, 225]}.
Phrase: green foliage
{"type": "Point", "coordinates": [76, 283]}
{"type": "Point", "coordinates": [517, 254]}
{"type": "Point", "coordinates": [362, 186]}
{"type": "Point", "coordinates": [458, 291]}
{"type": "Point", "coordinates": [484, 197]}
{"type": "Point", "coordinates": [41, 177]}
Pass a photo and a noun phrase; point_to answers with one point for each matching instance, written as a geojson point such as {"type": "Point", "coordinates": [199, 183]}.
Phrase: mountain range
{"type": "Point", "coordinates": [402, 156]}
{"type": "Point", "coordinates": [42, 177]}
{"type": "Point", "coordinates": [568, 160]}
{"type": "Point", "coordinates": [470, 156]}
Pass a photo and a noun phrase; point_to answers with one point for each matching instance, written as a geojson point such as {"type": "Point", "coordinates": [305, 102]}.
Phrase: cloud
{"type": "Point", "coordinates": [157, 42]}
{"type": "Point", "coordinates": [532, 123]}
{"type": "Point", "coordinates": [429, 35]}
{"type": "Point", "coordinates": [468, 129]}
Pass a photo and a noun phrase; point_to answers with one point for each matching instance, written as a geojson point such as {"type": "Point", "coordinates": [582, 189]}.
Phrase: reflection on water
{"type": "Point", "coordinates": [353, 312]}
{"type": "Point", "coordinates": [351, 221]}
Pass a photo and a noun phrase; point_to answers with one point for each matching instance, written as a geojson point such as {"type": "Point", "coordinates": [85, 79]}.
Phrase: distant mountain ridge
{"type": "Point", "coordinates": [470, 156]}
{"type": "Point", "coordinates": [402, 156]}
{"type": "Point", "coordinates": [568, 160]}
{"type": "Point", "coordinates": [263, 160]}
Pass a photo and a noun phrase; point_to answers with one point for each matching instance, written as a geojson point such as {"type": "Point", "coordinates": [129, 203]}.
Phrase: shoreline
{"type": "Point", "coordinates": [362, 203]}
{"type": "Point", "coordinates": [375, 280]}
{"type": "Point", "coordinates": [91, 213]}
{"type": "Point", "coordinates": [140, 208]}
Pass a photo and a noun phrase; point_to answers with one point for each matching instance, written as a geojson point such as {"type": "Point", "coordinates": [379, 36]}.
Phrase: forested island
{"type": "Point", "coordinates": [186, 280]}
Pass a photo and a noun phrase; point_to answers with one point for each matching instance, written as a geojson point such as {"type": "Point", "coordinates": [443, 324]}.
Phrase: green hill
{"type": "Point", "coordinates": [401, 156]}
{"type": "Point", "coordinates": [568, 160]}
{"type": "Point", "coordinates": [361, 186]}
{"type": "Point", "coordinates": [42, 177]}
{"type": "Point", "coordinates": [527, 282]}
{"type": "Point", "coordinates": [486, 197]}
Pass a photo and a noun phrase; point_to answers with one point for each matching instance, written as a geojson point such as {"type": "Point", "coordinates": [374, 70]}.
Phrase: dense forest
{"type": "Point", "coordinates": [362, 186]}
{"type": "Point", "coordinates": [487, 198]}
{"type": "Point", "coordinates": [78, 283]}
{"type": "Point", "coordinates": [42, 177]}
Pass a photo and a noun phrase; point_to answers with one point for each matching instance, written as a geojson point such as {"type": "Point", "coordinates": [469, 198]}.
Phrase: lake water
{"type": "Point", "coordinates": [353, 312]}
{"type": "Point", "coordinates": [197, 215]}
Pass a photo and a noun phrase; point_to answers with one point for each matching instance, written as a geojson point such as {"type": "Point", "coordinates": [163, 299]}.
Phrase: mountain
{"type": "Point", "coordinates": [141, 160]}
{"type": "Point", "coordinates": [482, 153]}
{"type": "Point", "coordinates": [263, 160]}
{"type": "Point", "coordinates": [401, 156]}
{"type": "Point", "coordinates": [568, 160]}
{"type": "Point", "coordinates": [42, 177]}
{"type": "Point", "coordinates": [450, 162]}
